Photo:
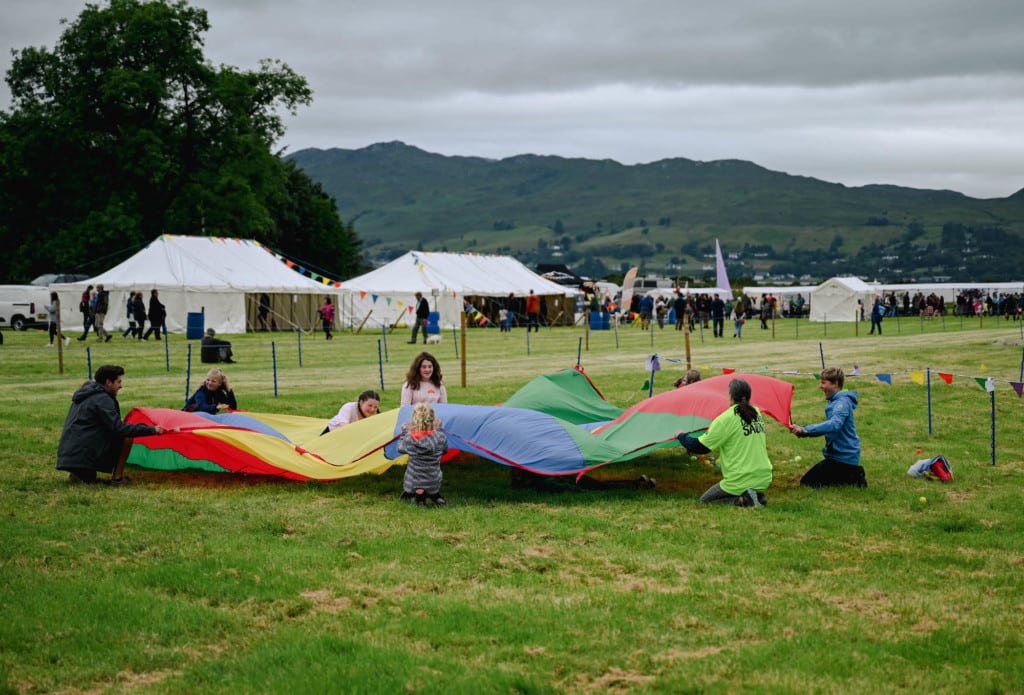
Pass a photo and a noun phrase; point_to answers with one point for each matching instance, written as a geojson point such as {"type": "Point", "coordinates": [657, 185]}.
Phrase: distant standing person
{"type": "Point", "coordinates": [718, 316]}
{"type": "Point", "coordinates": [739, 317]}
{"type": "Point", "coordinates": [532, 312]}
{"type": "Point", "coordinates": [841, 464]}
{"type": "Point", "coordinates": [102, 304]}
{"type": "Point", "coordinates": [95, 439]}
{"type": "Point", "coordinates": [51, 320]}
{"type": "Point", "coordinates": [130, 314]}
{"type": "Point", "coordinates": [157, 316]}
{"type": "Point", "coordinates": [424, 442]}
{"type": "Point", "coordinates": [85, 306]}
{"type": "Point", "coordinates": [422, 316]}
{"type": "Point", "coordinates": [877, 313]}
{"type": "Point", "coordinates": [264, 310]}
{"type": "Point", "coordinates": [423, 382]}
{"type": "Point", "coordinates": [139, 310]}
{"type": "Point", "coordinates": [327, 317]}
{"type": "Point", "coordinates": [679, 304]}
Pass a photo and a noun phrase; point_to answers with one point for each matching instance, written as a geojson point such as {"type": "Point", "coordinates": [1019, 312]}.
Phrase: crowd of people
{"type": "Point", "coordinates": [94, 304]}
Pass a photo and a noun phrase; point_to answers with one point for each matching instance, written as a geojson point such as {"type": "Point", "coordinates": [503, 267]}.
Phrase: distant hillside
{"type": "Point", "coordinates": [599, 215]}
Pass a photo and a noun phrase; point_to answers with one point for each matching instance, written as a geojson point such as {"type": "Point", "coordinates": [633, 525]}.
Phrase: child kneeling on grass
{"type": "Point", "coordinates": [739, 435]}
{"type": "Point", "coordinates": [425, 443]}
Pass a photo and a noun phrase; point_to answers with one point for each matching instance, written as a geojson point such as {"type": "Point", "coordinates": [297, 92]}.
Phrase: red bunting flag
{"type": "Point", "coordinates": [948, 378]}
{"type": "Point", "coordinates": [726, 370]}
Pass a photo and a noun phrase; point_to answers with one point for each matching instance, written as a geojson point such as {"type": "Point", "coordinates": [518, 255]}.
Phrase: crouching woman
{"type": "Point", "coordinates": [739, 435]}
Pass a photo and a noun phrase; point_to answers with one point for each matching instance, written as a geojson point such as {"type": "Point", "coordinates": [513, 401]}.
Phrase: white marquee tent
{"type": "Point", "coordinates": [836, 299]}
{"type": "Point", "coordinates": [220, 277]}
{"type": "Point", "coordinates": [386, 296]}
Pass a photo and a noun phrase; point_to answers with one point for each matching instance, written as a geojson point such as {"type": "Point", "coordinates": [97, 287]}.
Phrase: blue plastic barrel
{"type": "Point", "coordinates": [434, 323]}
{"type": "Point", "coordinates": [194, 327]}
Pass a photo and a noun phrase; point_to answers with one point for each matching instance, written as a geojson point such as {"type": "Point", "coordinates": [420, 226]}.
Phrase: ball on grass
{"type": "Point", "coordinates": [922, 500]}
{"type": "Point", "coordinates": [918, 451]}
{"type": "Point", "coordinates": [798, 459]}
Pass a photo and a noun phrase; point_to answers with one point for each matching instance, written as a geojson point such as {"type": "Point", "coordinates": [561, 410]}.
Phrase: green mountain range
{"type": "Point", "coordinates": [600, 217]}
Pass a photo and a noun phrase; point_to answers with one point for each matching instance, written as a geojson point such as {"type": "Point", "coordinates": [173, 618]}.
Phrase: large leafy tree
{"type": "Point", "coordinates": [124, 132]}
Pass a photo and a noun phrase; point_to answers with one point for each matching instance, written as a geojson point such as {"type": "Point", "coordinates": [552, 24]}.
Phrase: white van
{"type": "Point", "coordinates": [23, 306]}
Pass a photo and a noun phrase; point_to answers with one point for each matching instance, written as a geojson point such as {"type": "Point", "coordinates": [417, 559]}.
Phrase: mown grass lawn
{"type": "Point", "coordinates": [185, 582]}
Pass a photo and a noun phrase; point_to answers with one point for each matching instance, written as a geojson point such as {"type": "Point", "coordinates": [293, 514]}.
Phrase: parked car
{"type": "Point", "coordinates": [23, 306]}
{"type": "Point", "coordinates": [48, 279]}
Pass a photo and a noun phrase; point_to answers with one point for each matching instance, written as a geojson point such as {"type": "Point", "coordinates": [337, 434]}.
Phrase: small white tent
{"type": "Point", "coordinates": [836, 299]}
{"type": "Point", "coordinates": [220, 277]}
{"type": "Point", "coordinates": [386, 296]}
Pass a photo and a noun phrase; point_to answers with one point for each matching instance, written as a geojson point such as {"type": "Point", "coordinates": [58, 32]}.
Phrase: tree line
{"type": "Point", "coordinates": [124, 131]}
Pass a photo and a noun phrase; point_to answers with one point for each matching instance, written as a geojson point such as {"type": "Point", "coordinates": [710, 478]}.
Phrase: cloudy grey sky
{"type": "Point", "coordinates": [921, 93]}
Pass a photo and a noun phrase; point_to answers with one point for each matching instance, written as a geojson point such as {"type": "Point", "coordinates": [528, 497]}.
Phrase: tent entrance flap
{"type": "Point", "coordinates": [284, 311]}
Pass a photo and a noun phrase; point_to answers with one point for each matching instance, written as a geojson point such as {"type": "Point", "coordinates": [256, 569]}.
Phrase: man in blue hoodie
{"type": "Point", "coordinates": [841, 465]}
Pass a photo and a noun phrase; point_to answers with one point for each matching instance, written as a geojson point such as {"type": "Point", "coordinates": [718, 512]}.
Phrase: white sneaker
{"type": "Point", "coordinates": [49, 345]}
{"type": "Point", "coordinates": [67, 341]}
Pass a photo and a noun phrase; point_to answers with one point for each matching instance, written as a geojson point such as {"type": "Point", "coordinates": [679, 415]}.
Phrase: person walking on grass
{"type": "Point", "coordinates": [877, 313]}
{"type": "Point", "coordinates": [130, 315]}
{"type": "Point", "coordinates": [532, 312]}
{"type": "Point", "coordinates": [95, 439]}
{"type": "Point", "coordinates": [157, 316]}
{"type": "Point", "coordinates": [422, 316]}
{"type": "Point", "coordinates": [840, 466]}
{"type": "Point", "coordinates": [326, 312]}
{"type": "Point", "coordinates": [102, 305]}
{"type": "Point", "coordinates": [86, 305]}
{"type": "Point", "coordinates": [139, 311]}
{"type": "Point", "coordinates": [51, 320]}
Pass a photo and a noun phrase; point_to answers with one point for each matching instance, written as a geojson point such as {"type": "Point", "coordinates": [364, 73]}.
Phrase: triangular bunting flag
{"type": "Point", "coordinates": [917, 377]}
{"type": "Point", "coordinates": [1018, 386]}
{"type": "Point", "coordinates": [948, 378]}
{"type": "Point", "coordinates": [362, 295]}
{"type": "Point", "coordinates": [886, 378]}
{"type": "Point", "coordinates": [981, 381]}
{"type": "Point", "coordinates": [647, 385]}
{"type": "Point", "coordinates": [726, 370]}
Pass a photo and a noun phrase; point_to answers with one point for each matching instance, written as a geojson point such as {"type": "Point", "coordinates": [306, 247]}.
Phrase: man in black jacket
{"type": "Point", "coordinates": [95, 438]}
{"type": "Point", "coordinates": [157, 315]}
{"type": "Point", "coordinates": [422, 315]}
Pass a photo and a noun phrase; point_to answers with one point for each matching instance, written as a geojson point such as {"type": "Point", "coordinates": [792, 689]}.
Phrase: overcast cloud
{"type": "Point", "coordinates": [921, 93]}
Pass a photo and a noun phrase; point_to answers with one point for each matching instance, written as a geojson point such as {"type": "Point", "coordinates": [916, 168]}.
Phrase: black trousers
{"type": "Point", "coordinates": [832, 473]}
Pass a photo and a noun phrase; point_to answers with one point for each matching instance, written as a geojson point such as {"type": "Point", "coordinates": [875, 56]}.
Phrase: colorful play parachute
{"type": "Point", "coordinates": [291, 446]}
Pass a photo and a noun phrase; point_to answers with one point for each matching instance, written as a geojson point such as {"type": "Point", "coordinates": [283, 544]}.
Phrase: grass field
{"type": "Point", "coordinates": [206, 583]}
